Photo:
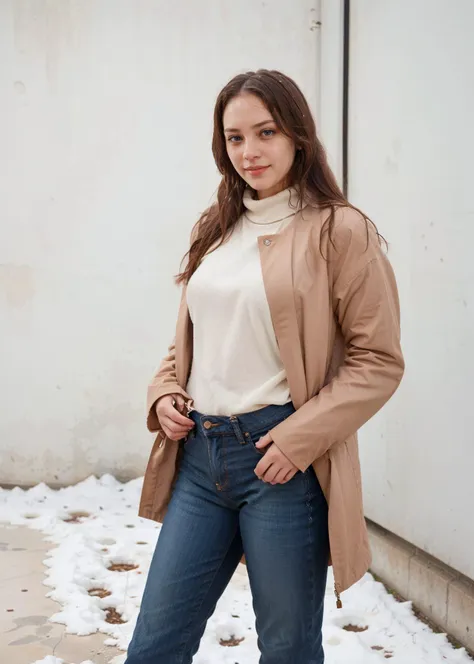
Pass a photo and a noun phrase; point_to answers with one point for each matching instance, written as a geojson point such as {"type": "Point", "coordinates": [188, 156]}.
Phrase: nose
{"type": "Point", "coordinates": [251, 150]}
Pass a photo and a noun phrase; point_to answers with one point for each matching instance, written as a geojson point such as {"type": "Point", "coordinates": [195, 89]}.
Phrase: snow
{"type": "Point", "coordinates": [106, 531]}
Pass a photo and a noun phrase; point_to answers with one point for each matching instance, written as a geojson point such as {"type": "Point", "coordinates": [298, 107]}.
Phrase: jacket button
{"type": "Point", "coordinates": [267, 242]}
{"type": "Point", "coordinates": [207, 424]}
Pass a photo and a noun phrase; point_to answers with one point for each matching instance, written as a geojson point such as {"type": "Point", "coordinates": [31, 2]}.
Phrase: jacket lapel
{"type": "Point", "coordinates": [276, 257]}
{"type": "Point", "coordinates": [183, 342]}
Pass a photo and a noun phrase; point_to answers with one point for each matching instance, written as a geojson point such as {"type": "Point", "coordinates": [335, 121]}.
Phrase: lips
{"type": "Point", "coordinates": [257, 170]}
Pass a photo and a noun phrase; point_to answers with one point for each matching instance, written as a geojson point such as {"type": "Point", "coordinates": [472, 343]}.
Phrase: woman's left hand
{"type": "Point", "coordinates": [274, 467]}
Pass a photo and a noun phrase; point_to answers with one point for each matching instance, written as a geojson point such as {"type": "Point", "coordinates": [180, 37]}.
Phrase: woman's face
{"type": "Point", "coordinates": [258, 150]}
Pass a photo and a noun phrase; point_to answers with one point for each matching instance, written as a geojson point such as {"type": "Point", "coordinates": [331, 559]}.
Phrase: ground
{"type": "Point", "coordinates": [74, 563]}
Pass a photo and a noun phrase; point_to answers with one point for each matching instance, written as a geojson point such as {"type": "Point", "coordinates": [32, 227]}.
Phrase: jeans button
{"type": "Point", "coordinates": [207, 424]}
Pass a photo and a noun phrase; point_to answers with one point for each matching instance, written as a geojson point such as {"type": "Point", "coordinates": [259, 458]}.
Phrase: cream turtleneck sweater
{"type": "Point", "coordinates": [236, 365]}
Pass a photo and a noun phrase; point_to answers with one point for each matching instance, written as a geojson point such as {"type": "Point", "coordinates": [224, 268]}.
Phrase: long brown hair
{"type": "Point", "coordinates": [310, 173]}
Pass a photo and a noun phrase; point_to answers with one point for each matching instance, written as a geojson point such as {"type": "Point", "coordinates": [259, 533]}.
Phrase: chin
{"type": "Point", "coordinates": [262, 185]}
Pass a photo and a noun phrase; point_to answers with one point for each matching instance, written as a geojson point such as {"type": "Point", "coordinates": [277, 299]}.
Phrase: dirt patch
{"type": "Point", "coordinates": [355, 628]}
{"type": "Point", "coordinates": [75, 517]}
{"type": "Point", "coordinates": [113, 616]}
{"type": "Point", "coordinates": [232, 642]}
{"type": "Point", "coordinates": [99, 592]}
{"type": "Point", "coordinates": [122, 567]}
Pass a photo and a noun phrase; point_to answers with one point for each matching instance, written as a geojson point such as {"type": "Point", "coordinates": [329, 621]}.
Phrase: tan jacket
{"type": "Point", "coordinates": [336, 320]}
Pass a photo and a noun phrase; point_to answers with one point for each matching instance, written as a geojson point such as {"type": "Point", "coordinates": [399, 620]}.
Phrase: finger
{"type": "Point", "coordinates": [177, 434]}
{"type": "Point", "coordinates": [263, 442]}
{"type": "Point", "coordinates": [176, 417]}
{"type": "Point", "coordinates": [180, 402]}
{"type": "Point", "coordinates": [262, 467]}
{"type": "Point", "coordinates": [280, 476]}
{"type": "Point", "coordinates": [180, 433]}
{"type": "Point", "coordinates": [174, 428]}
{"type": "Point", "coordinates": [174, 435]}
{"type": "Point", "coordinates": [290, 474]}
{"type": "Point", "coordinates": [170, 418]}
{"type": "Point", "coordinates": [179, 399]}
{"type": "Point", "coordinates": [271, 473]}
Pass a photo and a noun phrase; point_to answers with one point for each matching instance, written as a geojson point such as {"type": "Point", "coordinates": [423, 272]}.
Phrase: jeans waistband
{"type": "Point", "coordinates": [263, 418]}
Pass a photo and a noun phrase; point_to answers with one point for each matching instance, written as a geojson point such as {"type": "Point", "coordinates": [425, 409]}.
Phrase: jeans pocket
{"type": "Point", "coordinates": [253, 438]}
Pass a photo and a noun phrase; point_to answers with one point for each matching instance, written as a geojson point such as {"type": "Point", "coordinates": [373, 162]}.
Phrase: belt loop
{"type": "Point", "coordinates": [237, 430]}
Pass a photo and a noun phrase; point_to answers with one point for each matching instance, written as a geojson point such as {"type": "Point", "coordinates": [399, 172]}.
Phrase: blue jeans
{"type": "Point", "coordinates": [220, 509]}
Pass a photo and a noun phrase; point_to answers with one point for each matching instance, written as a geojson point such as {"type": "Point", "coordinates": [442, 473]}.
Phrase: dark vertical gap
{"type": "Point", "coordinates": [345, 97]}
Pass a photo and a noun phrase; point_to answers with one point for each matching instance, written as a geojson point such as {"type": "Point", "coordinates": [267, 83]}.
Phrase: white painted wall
{"type": "Point", "coordinates": [105, 122]}
{"type": "Point", "coordinates": [411, 147]}
{"type": "Point", "coordinates": [105, 164]}
{"type": "Point", "coordinates": [329, 119]}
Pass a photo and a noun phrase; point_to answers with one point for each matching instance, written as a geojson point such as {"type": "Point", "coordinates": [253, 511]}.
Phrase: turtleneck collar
{"type": "Point", "coordinates": [271, 209]}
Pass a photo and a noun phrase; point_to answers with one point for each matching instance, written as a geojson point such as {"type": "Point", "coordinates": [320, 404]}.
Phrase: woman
{"type": "Point", "coordinates": [287, 341]}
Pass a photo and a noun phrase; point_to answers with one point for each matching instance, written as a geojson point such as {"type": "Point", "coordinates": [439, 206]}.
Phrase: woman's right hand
{"type": "Point", "coordinates": [174, 424]}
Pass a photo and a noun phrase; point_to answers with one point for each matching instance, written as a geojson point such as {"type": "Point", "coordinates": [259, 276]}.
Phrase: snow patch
{"type": "Point", "coordinates": [99, 538]}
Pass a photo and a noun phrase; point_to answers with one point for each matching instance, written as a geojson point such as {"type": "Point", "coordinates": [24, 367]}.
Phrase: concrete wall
{"type": "Point", "coordinates": [411, 147]}
{"type": "Point", "coordinates": [105, 164]}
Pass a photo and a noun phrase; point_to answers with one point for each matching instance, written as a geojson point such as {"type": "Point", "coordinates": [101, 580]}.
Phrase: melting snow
{"type": "Point", "coordinates": [100, 562]}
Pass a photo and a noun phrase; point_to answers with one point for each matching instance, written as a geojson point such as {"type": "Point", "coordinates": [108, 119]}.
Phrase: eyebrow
{"type": "Point", "coordinates": [255, 126]}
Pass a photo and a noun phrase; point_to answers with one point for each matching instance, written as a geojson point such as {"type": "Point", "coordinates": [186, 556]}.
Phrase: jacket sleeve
{"type": "Point", "coordinates": [366, 307]}
{"type": "Point", "coordinates": [164, 382]}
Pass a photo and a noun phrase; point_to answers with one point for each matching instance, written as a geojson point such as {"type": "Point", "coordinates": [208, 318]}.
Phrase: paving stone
{"type": "Point", "coordinates": [25, 633]}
